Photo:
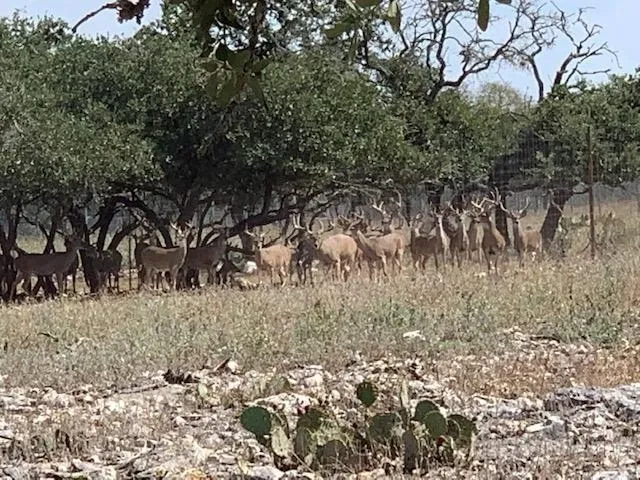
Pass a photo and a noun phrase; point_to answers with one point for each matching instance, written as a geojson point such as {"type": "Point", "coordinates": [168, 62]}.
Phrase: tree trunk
{"type": "Point", "coordinates": [552, 219]}
{"type": "Point", "coordinates": [237, 214]}
{"type": "Point", "coordinates": [80, 229]}
{"type": "Point", "coordinates": [434, 196]}
{"type": "Point", "coordinates": [190, 206]}
{"type": "Point", "coordinates": [107, 212]}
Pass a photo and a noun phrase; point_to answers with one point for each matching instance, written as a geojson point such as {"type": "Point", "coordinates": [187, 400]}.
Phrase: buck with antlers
{"type": "Point", "coordinates": [345, 224]}
{"type": "Point", "coordinates": [435, 243]}
{"type": "Point", "coordinates": [387, 217]}
{"type": "Point", "coordinates": [459, 237]}
{"type": "Point", "coordinates": [146, 239]}
{"type": "Point", "coordinates": [338, 251]}
{"type": "Point", "coordinates": [274, 259]}
{"type": "Point", "coordinates": [418, 243]}
{"type": "Point", "coordinates": [392, 235]}
{"type": "Point", "coordinates": [474, 233]}
{"type": "Point", "coordinates": [166, 259]}
{"type": "Point", "coordinates": [493, 243]}
{"type": "Point", "coordinates": [47, 264]}
{"type": "Point", "coordinates": [376, 251]}
{"type": "Point", "coordinates": [525, 241]}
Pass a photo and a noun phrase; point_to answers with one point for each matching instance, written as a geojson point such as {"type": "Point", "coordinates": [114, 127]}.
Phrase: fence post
{"type": "Point", "coordinates": [592, 220]}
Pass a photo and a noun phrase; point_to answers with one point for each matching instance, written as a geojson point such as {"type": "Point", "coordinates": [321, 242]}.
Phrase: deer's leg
{"type": "Point", "coordinates": [174, 279]}
{"type": "Point", "coordinates": [149, 276]}
{"type": "Point", "coordinates": [383, 262]}
{"type": "Point", "coordinates": [14, 284]}
{"type": "Point", "coordinates": [347, 271]}
{"type": "Point", "coordinates": [337, 268]}
{"type": "Point", "coordinates": [397, 262]}
{"type": "Point", "coordinates": [301, 273]}
{"type": "Point", "coordinates": [60, 283]}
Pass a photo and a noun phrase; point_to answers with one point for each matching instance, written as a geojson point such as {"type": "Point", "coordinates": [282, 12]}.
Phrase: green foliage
{"type": "Point", "coordinates": [322, 441]}
{"type": "Point", "coordinates": [219, 24]}
{"type": "Point", "coordinates": [51, 153]}
{"type": "Point", "coordinates": [322, 123]}
{"type": "Point", "coordinates": [366, 393]}
{"type": "Point", "coordinates": [257, 420]}
{"type": "Point", "coordinates": [458, 137]}
{"type": "Point", "coordinates": [559, 132]}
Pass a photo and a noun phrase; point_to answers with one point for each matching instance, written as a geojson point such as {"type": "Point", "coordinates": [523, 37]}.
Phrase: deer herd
{"type": "Point", "coordinates": [438, 233]}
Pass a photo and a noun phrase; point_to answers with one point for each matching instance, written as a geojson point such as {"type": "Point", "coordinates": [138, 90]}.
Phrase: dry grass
{"type": "Point", "coordinates": [112, 340]}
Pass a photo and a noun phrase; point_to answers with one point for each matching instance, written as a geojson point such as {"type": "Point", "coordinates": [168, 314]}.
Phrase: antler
{"type": "Point", "coordinates": [295, 220]}
{"type": "Point", "coordinates": [523, 211]}
{"type": "Point", "coordinates": [379, 208]}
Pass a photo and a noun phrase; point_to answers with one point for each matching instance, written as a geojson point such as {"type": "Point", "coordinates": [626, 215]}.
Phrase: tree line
{"type": "Point", "coordinates": [90, 128]}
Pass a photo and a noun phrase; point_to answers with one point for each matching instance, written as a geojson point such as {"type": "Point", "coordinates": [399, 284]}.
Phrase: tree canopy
{"type": "Point", "coordinates": [93, 127]}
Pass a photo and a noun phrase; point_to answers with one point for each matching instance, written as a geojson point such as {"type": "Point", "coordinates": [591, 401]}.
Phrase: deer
{"type": "Point", "coordinates": [345, 224]}
{"type": "Point", "coordinates": [474, 233]}
{"type": "Point", "coordinates": [524, 241]}
{"type": "Point", "coordinates": [418, 242]}
{"type": "Point", "coordinates": [46, 264]}
{"type": "Point", "coordinates": [387, 218]}
{"type": "Point", "coordinates": [459, 237]}
{"type": "Point", "coordinates": [148, 238]}
{"type": "Point", "coordinates": [73, 270]}
{"type": "Point", "coordinates": [394, 235]}
{"type": "Point", "coordinates": [337, 251]}
{"type": "Point", "coordinates": [207, 257]}
{"type": "Point", "coordinates": [276, 258]}
{"type": "Point", "coordinates": [166, 259]}
{"type": "Point", "coordinates": [377, 250]}
{"type": "Point", "coordinates": [435, 243]}
{"type": "Point", "coordinates": [493, 243]}
{"type": "Point", "coordinates": [108, 265]}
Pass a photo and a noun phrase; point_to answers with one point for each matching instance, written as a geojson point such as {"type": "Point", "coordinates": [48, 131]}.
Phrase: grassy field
{"type": "Point", "coordinates": [114, 339]}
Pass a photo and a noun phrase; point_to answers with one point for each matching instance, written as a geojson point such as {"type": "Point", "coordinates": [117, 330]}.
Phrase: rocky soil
{"type": "Point", "coordinates": [177, 425]}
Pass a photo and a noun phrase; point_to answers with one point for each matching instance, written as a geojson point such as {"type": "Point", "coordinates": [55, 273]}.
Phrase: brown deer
{"type": "Point", "coordinates": [434, 244]}
{"type": "Point", "coordinates": [142, 241]}
{"type": "Point", "coordinates": [378, 250]}
{"type": "Point", "coordinates": [419, 243]}
{"type": "Point", "coordinates": [166, 259]}
{"type": "Point", "coordinates": [338, 251]}
{"type": "Point", "coordinates": [345, 224]}
{"type": "Point", "coordinates": [458, 235]}
{"type": "Point", "coordinates": [207, 257]}
{"type": "Point", "coordinates": [274, 259]}
{"type": "Point", "coordinates": [47, 264]}
{"type": "Point", "coordinates": [474, 233]}
{"type": "Point", "coordinates": [393, 234]}
{"type": "Point", "coordinates": [524, 240]}
{"type": "Point", "coordinates": [493, 243]}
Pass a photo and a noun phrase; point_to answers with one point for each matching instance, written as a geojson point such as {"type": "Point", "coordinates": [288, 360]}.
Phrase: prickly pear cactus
{"type": "Point", "coordinates": [321, 441]}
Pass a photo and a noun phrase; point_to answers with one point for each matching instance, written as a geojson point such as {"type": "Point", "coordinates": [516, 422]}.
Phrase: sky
{"type": "Point", "coordinates": [618, 19]}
